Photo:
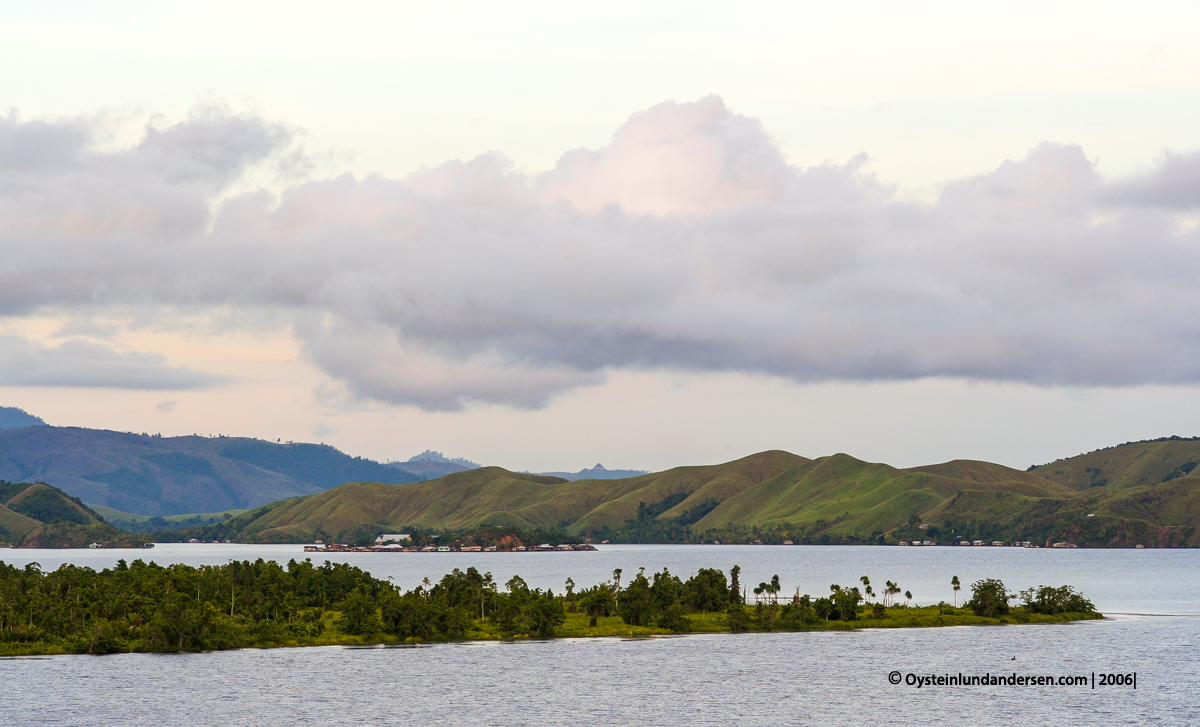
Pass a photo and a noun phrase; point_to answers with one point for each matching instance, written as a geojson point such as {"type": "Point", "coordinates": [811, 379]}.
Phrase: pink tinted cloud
{"type": "Point", "coordinates": [688, 242]}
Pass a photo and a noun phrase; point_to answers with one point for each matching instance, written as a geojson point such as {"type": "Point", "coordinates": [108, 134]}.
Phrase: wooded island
{"type": "Point", "coordinates": [146, 607]}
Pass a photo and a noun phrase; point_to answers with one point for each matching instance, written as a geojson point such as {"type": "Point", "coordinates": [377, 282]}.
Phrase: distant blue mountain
{"type": "Point", "coordinates": [148, 474]}
{"type": "Point", "coordinates": [431, 456]}
{"type": "Point", "coordinates": [13, 418]}
{"type": "Point", "coordinates": [430, 464]}
{"type": "Point", "coordinates": [597, 473]}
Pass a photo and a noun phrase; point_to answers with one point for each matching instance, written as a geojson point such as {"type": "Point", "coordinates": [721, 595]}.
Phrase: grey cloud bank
{"type": "Point", "coordinates": [86, 364]}
{"type": "Point", "coordinates": [688, 242]}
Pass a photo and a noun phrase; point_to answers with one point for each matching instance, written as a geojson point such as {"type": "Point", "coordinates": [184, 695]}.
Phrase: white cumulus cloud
{"type": "Point", "coordinates": [688, 242]}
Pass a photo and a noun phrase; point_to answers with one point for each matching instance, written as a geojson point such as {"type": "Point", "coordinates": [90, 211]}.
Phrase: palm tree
{"type": "Point", "coordinates": [866, 585]}
{"type": "Point", "coordinates": [617, 590]}
{"type": "Point", "coordinates": [887, 593]}
{"type": "Point", "coordinates": [957, 587]}
{"type": "Point", "coordinates": [760, 589]}
{"type": "Point", "coordinates": [907, 597]}
{"type": "Point", "coordinates": [775, 588]}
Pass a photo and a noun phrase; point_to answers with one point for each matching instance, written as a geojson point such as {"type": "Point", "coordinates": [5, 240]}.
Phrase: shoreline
{"type": "Point", "coordinates": [611, 627]}
{"type": "Point", "coordinates": [572, 548]}
{"type": "Point", "coordinates": [592, 547]}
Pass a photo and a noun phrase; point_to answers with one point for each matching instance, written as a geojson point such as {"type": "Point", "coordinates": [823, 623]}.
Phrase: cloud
{"type": "Point", "coordinates": [375, 365]}
{"type": "Point", "coordinates": [166, 406]}
{"type": "Point", "coordinates": [687, 243]}
{"type": "Point", "coordinates": [673, 159]}
{"type": "Point", "coordinates": [75, 221]}
{"type": "Point", "coordinates": [84, 364]}
{"type": "Point", "coordinates": [1173, 183]}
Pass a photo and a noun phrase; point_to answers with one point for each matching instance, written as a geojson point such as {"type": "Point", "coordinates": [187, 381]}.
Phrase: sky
{"type": "Point", "coordinates": [641, 234]}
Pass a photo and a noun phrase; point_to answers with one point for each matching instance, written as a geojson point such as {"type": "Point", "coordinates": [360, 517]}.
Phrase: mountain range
{"type": "Point", "coordinates": [153, 475]}
{"type": "Point", "coordinates": [1140, 492]}
{"type": "Point", "coordinates": [150, 475]}
{"type": "Point", "coordinates": [430, 464]}
{"type": "Point", "coordinates": [596, 473]}
{"type": "Point", "coordinates": [1137, 493]}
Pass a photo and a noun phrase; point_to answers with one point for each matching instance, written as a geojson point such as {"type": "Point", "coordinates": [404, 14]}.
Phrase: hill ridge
{"type": "Point", "coordinates": [835, 498]}
{"type": "Point", "coordinates": [147, 474]}
{"type": "Point", "coordinates": [35, 515]}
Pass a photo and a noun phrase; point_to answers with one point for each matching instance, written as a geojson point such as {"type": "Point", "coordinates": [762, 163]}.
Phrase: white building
{"type": "Point", "coordinates": [391, 537]}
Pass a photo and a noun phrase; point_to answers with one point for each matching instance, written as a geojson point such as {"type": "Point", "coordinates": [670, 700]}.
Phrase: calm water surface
{"type": "Point", "coordinates": [1152, 581]}
{"type": "Point", "coordinates": [750, 679]}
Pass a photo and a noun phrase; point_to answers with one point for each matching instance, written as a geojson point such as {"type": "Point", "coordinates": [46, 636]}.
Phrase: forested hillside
{"type": "Point", "coordinates": [41, 516]}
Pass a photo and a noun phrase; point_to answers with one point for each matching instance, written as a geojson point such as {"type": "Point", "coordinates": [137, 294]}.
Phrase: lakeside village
{"type": "Point", "coordinates": [996, 543]}
{"type": "Point", "coordinates": [393, 543]}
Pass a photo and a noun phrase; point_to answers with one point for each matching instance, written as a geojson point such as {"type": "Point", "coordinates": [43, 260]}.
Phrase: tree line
{"type": "Point", "coordinates": [142, 606]}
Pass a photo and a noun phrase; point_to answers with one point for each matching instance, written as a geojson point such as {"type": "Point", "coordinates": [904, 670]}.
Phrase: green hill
{"type": "Point", "coordinates": [494, 496]}
{"type": "Point", "coordinates": [1127, 465]}
{"type": "Point", "coordinates": [154, 523]}
{"type": "Point", "coordinates": [836, 497]}
{"type": "Point", "coordinates": [840, 494]}
{"type": "Point", "coordinates": [692, 486]}
{"type": "Point", "coordinates": [1163, 515]}
{"type": "Point", "coordinates": [775, 496]}
{"type": "Point", "coordinates": [38, 515]}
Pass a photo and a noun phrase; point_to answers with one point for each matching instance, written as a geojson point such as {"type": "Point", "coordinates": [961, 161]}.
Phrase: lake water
{"type": "Point", "coordinates": [749, 679]}
{"type": "Point", "coordinates": [1150, 581]}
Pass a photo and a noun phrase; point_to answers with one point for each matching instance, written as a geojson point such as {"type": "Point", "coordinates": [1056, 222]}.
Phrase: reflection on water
{"type": "Point", "coordinates": [748, 679]}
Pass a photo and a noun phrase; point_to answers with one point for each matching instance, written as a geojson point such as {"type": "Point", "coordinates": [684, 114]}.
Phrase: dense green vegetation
{"type": "Point", "coordinates": [671, 531]}
{"type": "Point", "coordinates": [502, 537]}
{"type": "Point", "coordinates": [40, 516]}
{"type": "Point", "coordinates": [72, 535]}
{"type": "Point", "coordinates": [49, 505]}
{"type": "Point", "coordinates": [147, 607]}
{"type": "Point", "coordinates": [157, 523]}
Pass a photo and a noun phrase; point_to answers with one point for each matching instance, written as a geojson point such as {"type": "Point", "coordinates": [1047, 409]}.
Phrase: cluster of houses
{"type": "Point", "coordinates": [394, 543]}
{"type": "Point", "coordinates": [995, 543]}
